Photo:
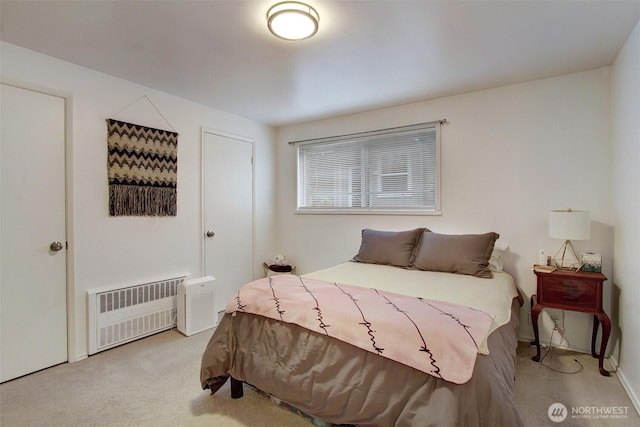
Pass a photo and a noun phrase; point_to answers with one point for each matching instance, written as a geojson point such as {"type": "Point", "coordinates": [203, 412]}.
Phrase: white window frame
{"type": "Point", "coordinates": [363, 138]}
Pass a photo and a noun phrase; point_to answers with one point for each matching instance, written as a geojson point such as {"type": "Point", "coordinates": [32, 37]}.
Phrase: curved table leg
{"type": "Point", "coordinates": [596, 324]}
{"type": "Point", "coordinates": [606, 331]}
{"type": "Point", "coordinates": [535, 312]}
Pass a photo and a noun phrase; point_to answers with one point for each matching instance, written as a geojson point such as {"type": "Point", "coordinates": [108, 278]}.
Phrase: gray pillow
{"type": "Point", "coordinates": [388, 247]}
{"type": "Point", "coordinates": [463, 253]}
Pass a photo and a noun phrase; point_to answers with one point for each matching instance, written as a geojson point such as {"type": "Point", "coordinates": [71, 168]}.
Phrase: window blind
{"type": "Point", "coordinates": [395, 170]}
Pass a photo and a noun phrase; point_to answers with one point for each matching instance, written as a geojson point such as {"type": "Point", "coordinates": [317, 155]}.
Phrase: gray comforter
{"type": "Point", "coordinates": [341, 384]}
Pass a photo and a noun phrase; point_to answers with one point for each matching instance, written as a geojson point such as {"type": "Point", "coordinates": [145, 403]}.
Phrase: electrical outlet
{"type": "Point", "coordinates": [558, 320]}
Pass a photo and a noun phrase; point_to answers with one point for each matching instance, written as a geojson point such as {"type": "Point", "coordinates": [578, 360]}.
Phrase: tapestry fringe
{"type": "Point", "coordinates": [142, 200]}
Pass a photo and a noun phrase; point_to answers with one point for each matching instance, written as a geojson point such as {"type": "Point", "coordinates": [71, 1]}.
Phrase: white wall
{"type": "Point", "coordinates": [119, 250]}
{"type": "Point", "coordinates": [625, 91]}
{"type": "Point", "coordinates": [509, 155]}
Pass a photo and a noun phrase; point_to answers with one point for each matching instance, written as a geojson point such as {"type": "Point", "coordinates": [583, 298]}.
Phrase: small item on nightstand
{"type": "Point", "coordinates": [591, 262]}
{"type": "Point", "coordinates": [279, 265]}
{"type": "Point", "coordinates": [280, 268]}
{"type": "Point", "coordinates": [279, 260]}
{"type": "Point", "coordinates": [543, 268]}
{"type": "Point", "coordinates": [542, 258]}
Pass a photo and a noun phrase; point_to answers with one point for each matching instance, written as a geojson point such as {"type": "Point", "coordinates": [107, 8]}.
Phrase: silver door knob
{"type": "Point", "coordinates": [56, 246]}
{"type": "Point", "coordinates": [210, 234]}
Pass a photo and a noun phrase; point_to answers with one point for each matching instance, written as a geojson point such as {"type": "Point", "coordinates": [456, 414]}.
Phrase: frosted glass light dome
{"type": "Point", "coordinates": [292, 20]}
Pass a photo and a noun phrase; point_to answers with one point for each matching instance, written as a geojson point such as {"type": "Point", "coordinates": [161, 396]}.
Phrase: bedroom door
{"type": "Point", "coordinates": [228, 212]}
{"type": "Point", "coordinates": [33, 288]}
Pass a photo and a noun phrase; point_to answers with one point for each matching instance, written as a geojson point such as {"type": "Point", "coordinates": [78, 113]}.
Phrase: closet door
{"type": "Point", "coordinates": [33, 289]}
{"type": "Point", "coordinates": [228, 213]}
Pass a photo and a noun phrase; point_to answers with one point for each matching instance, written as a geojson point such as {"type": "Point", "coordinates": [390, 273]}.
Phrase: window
{"type": "Point", "coordinates": [386, 171]}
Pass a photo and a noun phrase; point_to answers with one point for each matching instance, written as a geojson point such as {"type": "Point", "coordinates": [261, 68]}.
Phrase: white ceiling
{"type": "Point", "coordinates": [366, 55]}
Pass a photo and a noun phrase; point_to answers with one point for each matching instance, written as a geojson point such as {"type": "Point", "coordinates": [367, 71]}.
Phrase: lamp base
{"type": "Point", "coordinates": [566, 258]}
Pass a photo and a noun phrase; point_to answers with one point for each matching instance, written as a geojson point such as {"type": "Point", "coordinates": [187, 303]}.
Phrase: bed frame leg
{"type": "Point", "coordinates": [236, 389]}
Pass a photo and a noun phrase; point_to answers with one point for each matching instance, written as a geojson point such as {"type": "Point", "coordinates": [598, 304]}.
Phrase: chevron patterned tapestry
{"type": "Point", "coordinates": [143, 170]}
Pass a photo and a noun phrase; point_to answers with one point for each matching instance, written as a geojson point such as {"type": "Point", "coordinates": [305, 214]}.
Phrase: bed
{"type": "Point", "coordinates": [314, 367]}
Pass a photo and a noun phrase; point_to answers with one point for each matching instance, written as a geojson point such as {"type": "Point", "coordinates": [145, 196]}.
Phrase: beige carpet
{"type": "Point", "coordinates": [155, 382]}
{"type": "Point", "coordinates": [150, 382]}
{"type": "Point", "coordinates": [538, 387]}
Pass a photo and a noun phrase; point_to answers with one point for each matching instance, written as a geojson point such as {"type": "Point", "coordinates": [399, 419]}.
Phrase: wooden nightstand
{"type": "Point", "coordinates": [575, 291]}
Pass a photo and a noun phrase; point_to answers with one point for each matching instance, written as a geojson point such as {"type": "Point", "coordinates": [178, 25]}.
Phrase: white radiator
{"type": "Point", "coordinates": [196, 305]}
{"type": "Point", "coordinates": [120, 314]}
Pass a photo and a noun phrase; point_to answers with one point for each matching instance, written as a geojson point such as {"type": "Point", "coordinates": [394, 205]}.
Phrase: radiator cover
{"type": "Point", "coordinates": [123, 313]}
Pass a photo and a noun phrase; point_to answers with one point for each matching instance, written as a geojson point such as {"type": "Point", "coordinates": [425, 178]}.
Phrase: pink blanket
{"type": "Point", "coordinates": [438, 338]}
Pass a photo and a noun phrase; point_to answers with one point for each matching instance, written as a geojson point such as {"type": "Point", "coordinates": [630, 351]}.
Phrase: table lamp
{"type": "Point", "coordinates": [569, 225]}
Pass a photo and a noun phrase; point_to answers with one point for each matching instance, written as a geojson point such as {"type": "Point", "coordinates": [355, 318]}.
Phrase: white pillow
{"type": "Point", "coordinates": [496, 262]}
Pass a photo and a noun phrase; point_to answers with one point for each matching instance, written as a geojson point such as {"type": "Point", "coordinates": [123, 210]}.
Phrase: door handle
{"type": "Point", "coordinates": [210, 234]}
{"type": "Point", "coordinates": [56, 246]}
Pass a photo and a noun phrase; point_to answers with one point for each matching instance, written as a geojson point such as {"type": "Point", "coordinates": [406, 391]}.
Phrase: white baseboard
{"type": "Point", "coordinates": [627, 387]}
{"type": "Point", "coordinates": [79, 357]}
{"type": "Point", "coordinates": [570, 347]}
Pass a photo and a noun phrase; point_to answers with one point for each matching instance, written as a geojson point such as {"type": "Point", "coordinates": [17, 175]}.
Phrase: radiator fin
{"type": "Point", "coordinates": [140, 294]}
{"type": "Point", "coordinates": [123, 314]}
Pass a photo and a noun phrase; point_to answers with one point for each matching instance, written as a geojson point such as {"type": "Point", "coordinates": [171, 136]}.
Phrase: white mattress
{"type": "Point", "coordinates": [493, 296]}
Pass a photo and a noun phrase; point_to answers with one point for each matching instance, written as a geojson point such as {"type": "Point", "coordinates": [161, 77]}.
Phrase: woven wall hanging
{"type": "Point", "coordinates": [143, 170]}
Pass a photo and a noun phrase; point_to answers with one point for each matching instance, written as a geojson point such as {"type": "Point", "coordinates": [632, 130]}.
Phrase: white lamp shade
{"type": "Point", "coordinates": [570, 224]}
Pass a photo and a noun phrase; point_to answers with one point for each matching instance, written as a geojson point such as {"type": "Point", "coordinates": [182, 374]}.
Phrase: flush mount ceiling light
{"type": "Point", "coordinates": [292, 20]}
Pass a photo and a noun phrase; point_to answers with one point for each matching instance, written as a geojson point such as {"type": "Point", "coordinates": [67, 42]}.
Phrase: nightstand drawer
{"type": "Point", "coordinates": [578, 294]}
